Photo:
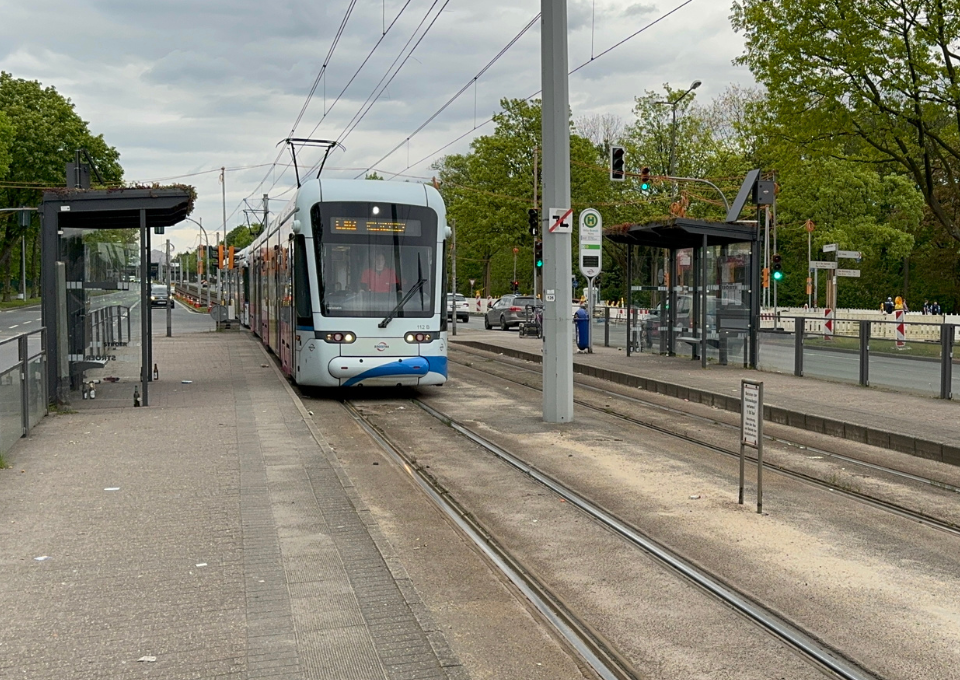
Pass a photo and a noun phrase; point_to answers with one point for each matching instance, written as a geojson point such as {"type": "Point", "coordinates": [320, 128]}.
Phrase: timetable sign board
{"type": "Point", "coordinates": [751, 413]}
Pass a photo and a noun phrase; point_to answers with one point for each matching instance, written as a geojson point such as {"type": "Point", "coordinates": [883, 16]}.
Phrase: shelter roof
{"type": "Point", "coordinates": [681, 232]}
{"type": "Point", "coordinates": [119, 208]}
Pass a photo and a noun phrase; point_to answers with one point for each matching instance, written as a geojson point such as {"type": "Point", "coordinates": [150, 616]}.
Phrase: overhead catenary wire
{"type": "Point", "coordinates": [387, 30]}
{"type": "Point", "coordinates": [463, 89]}
{"type": "Point", "coordinates": [586, 63]}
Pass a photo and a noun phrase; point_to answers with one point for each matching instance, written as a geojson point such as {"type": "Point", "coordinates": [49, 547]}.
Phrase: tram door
{"type": "Point", "coordinates": [284, 307]}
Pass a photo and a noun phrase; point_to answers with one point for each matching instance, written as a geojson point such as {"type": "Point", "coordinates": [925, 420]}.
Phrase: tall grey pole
{"type": "Point", "coordinates": [223, 189]}
{"type": "Point", "coordinates": [144, 308]}
{"type": "Point", "coordinates": [536, 152]}
{"type": "Point", "coordinates": [453, 232]}
{"type": "Point", "coordinates": [557, 269]}
{"type": "Point", "coordinates": [169, 299]}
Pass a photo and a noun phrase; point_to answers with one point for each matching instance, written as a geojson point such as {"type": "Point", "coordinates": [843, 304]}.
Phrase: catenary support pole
{"type": "Point", "coordinates": [144, 308]}
{"type": "Point", "coordinates": [453, 266]}
{"type": "Point", "coordinates": [166, 258]}
{"type": "Point", "coordinates": [557, 267]}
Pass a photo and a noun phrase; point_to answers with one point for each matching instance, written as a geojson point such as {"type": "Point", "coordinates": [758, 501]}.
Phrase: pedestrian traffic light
{"type": "Point", "coordinates": [644, 178]}
{"type": "Point", "coordinates": [766, 277]}
{"type": "Point", "coordinates": [516, 286]}
{"type": "Point", "coordinates": [533, 217]}
{"type": "Point", "coordinates": [538, 254]}
{"type": "Point", "coordinates": [777, 267]}
{"type": "Point", "coordinates": [617, 173]}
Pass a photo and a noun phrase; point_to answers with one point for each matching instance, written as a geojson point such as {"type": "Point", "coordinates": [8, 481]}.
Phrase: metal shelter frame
{"type": "Point", "coordinates": [680, 233]}
{"type": "Point", "coordinates": [142, 209]}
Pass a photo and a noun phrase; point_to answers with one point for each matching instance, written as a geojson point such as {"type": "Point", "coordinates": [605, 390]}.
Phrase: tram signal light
{"type": "Point", "coordinates": [538, 254]}
{"type": "Point", "coordinates": [777, 267]}
{"type": "Point", "coordinates": [617, 173]}
{"type": "Point", "coordinates": [533, 217]}
{"type": "Point", "coordinates": [644, 178]}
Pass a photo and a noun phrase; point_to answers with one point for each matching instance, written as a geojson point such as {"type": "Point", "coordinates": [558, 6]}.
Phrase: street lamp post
{"type": "Point", "coordinates": [673, 103]}
{"type": "Point", "coordinates": [206, 258]}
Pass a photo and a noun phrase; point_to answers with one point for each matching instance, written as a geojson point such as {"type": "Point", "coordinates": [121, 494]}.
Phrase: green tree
{"type": "Point", "coordinates": [874, 82]}
{"type": "Point", "coordinates": [6, 142]}
{"type": "Point", "coordinates": [46, 132]}
{"type": "Point", "coordinates": [242, 236]}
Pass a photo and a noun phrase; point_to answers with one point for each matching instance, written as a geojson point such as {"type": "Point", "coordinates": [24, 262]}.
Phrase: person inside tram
{"type": "Point", "coordinates": [380, 278]}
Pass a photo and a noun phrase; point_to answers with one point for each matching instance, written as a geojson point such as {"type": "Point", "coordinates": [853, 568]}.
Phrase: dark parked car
{"type": "Point", "coordinates": [509, 311]}
{"type": "Point", "coordinates": [160, 296]}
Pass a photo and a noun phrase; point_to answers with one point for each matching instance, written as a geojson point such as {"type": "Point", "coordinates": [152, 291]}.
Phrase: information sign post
{"type": "Point", "coordinates": [751, 432]}
{"type": "Point", "coordinates": [591, 258]}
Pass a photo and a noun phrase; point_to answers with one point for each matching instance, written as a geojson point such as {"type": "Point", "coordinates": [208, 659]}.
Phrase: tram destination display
{"type": "Point", "coordinates": [373, 225]}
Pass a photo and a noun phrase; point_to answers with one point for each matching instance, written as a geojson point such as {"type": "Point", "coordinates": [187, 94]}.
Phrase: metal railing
{"type": "Point", "coordinates": [916, 357]}
{"type": "Point", "coordinates": [23, 385]}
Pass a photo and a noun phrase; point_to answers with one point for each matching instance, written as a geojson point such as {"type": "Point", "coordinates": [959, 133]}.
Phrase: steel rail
{"type": "Point", "coordinates": [778, 626]}
{"type": "Point", "coordinates": [839, 456]}
{"type": "Point", "coordinates": [591, 647]}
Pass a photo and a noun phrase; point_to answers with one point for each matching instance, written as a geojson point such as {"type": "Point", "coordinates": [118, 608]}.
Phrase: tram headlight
{"type": "Point", "coordinates": [415, 338]}
{"type": "Point", "coordinates": [340, 337]}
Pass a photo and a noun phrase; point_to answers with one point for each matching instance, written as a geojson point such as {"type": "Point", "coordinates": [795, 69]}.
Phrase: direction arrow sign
{"type": "Point", "coordinates": [830, 247]}
{"type": "Point", "coordinates": [822, 264]}
{"type": "Point", "coordinates": [854, 273]}
{"type": "Point", "coordinates": [849, 254]}
{"type": "Point", "coordinates": [560, 222]}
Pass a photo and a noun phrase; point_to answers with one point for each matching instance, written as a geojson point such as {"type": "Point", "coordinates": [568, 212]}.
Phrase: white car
{"type": "Point", "coordinates": [463, 307]}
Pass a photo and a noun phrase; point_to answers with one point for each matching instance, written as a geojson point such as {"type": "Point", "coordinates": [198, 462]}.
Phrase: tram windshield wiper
{"type": "Point", "coordinates": [393, 312]}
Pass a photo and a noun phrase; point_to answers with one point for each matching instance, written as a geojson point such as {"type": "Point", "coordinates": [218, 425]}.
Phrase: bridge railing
{"type": "Point", "coordinates": [23, 391]}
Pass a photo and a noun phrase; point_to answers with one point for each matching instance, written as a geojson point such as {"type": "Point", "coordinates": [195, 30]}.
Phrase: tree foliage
{"type": "Point", "coordinates": [875, 82]}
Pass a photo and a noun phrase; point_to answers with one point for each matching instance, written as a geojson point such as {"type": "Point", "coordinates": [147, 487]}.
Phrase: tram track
{"type": "Point", "coordinates": [884, 505]}
{"type": "Point", "coordinates": [598, 653]}
{"type": "Point", "coordinates": [592, 647]}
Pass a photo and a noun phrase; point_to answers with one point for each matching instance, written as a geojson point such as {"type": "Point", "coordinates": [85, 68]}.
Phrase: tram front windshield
{"type": "Point", "coordinates": [376, 259]}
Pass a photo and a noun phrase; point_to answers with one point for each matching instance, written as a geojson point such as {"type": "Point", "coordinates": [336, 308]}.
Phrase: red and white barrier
{"type": "Point", "coordinates": [901, 330]}
{"type": "Point", "coordinates": [828, 323]}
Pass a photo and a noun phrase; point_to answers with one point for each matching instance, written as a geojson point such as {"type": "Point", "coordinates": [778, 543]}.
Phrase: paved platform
{"type": "Point", "coordinates": [212, 535]}
{"type": "Point", "coordinates": [921, 426]}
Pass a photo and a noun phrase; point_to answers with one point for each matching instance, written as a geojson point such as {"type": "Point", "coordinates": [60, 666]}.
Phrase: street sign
{"type": "Point", "coordinates": [560, 221]}
{"type": "Point", "coordinates": [591, 242]}
{"type": "Point", "coordinates": [822, 264]}
{"type": "Point", "coordinates": [750, 421]}
{"type": "Point", "coordinates": [849, 254]}
{"type": "Point", "coordinates": [830, 247]}
{"type": "Point", "coordinates": [809, 225]}
{"type": "Point", "coordinates": [853, 273]}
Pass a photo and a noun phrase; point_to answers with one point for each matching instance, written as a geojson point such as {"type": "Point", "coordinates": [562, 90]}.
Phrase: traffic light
{"type": "Point", "coordinates": [516, 286]}
{"type": "Point", "coordinates": [231, 258]}
{"type": "Point", "coordinates": [617, 173]}
{"type": "Point", "coordinates": [777, 267]}
{"type": "Point", "coordinates": [533, 217]}
{"type": "Point", "coordinates": [766, 277]}
{"type": "Point", "coordinates": [644, 178]}
{"type": "Point", "coordinates": [538, 254]}
{"type": "Point", "coordinates": [220, 256]}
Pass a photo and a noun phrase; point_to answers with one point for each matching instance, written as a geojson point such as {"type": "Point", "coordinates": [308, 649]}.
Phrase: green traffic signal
{"type": "Point", "coordinates": [777, 276]}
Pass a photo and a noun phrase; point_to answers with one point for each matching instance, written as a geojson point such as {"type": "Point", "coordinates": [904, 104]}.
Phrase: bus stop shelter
{"type": "Point", "coordinates": [703, 290]}
{"type": "Point", "coordinates": [95, 276]}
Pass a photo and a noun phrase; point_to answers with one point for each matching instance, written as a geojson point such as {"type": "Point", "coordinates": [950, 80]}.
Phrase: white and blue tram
{"type": "Point", "coordinates": [346, 284]}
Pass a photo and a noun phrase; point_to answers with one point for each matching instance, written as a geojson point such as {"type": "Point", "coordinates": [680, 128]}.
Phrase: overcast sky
{"type": "Point", "coordinates": [187, 86]}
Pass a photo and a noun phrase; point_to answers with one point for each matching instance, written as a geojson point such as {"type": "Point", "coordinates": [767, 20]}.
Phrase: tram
{"type": "Point", "coordinates": [346, 284]}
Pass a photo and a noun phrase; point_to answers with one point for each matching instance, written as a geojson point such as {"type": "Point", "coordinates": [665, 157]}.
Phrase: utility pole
{"type": "Point", "coordinates": [169, 299]}
{"type": "Point", "coordinates": [557, 269]}
{"type": "Point", "coordinates": [223, 190]}
{"type": "Point", "coordinates": [536, 153]}
{"type": "Point", "coordinates": [453, 254]}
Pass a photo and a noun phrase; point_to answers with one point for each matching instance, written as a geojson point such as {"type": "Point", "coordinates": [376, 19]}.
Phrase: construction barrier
{"type": "Point", "coordinates": [827, 323]}
{"type": "Point", "coordinates": [901, 330]}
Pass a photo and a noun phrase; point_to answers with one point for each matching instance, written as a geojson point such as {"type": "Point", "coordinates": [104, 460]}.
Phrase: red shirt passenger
{"type": "Point", "coordinates": [381, 279]}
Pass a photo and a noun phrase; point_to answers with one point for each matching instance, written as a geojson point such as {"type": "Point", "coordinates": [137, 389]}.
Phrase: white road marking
{"type": "Point", "coordinates": [14, 325]}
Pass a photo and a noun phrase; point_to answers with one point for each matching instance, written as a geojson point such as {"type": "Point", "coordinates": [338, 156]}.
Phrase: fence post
{"type": "Point", "coordinates": [946, 360]}
{"type": "Point", "coordinates": [24, 385]}
{"type": "Point", "coordinates": [799, 328]}
{"type": "Point", "coordinates": [606, 326]}
{"type": "Point", "coordinates": [865, 353]}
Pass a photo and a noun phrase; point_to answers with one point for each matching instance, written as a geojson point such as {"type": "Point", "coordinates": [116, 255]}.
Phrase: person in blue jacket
{"type": "Point", "coordinates": [582, 320]}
